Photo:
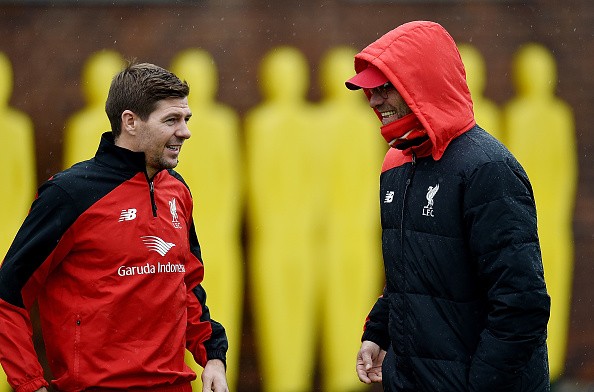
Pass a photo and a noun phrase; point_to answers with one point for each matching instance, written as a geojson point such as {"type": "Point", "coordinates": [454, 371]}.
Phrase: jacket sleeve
{"type": "Point", "coordinates": [205, 338]}
{"type": "Point", "coordinates": [376, 324]}
{"type": "Point", "coordinates": [500, 217]}
{"type": "Point", "coordinates": [23, 271]}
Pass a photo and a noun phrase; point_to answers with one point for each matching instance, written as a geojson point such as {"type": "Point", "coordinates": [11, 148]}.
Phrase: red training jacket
{"type": "Point", "coordinates": [113, 261]}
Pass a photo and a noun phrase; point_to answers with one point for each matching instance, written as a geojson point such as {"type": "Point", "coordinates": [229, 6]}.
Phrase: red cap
{"type": "Point", "coordinates": [370, 77]}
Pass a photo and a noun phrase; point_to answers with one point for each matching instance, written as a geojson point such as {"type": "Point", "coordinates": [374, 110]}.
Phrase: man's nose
{"type": "Point", "coordinates": [184, 131]}
{"type": "Point", "coordinates": [375, 99]}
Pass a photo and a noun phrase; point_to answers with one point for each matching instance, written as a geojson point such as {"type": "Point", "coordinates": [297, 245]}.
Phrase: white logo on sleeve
{"type": "Point", "coordinates": [128, 215]}
{"type": "Point", "coordinates": [389, 197]}
{"type": "Point", "coordinates": [428, 209]}
{"type": "Point", "coordinates": [156, 244]}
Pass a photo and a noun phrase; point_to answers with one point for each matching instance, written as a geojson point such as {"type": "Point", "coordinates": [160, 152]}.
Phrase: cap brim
{"type": "Point", "coordinates": [370, 77]}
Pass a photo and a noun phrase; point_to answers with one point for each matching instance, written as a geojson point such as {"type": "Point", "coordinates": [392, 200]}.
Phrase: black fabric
{"type": "Point", "coordinates": [63, 198]}
{"type": "Point", "coordinates": [465, 289]}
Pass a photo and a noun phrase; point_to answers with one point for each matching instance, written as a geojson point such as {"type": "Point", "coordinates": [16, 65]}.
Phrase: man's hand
{"type": "Point", "coordinates": [369, 362]}
{"type": "Point", "coordinates": [213, 377]}
{"type": "Point", "coordinates": [42, 389]}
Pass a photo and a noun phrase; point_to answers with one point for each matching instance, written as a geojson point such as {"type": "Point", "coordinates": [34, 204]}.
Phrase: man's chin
{"type": "Point", "coordinates": [389, 120]}
{"type": "Point", "coordinates": [169, 164]}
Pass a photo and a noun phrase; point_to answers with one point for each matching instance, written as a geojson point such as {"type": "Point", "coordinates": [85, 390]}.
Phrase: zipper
{"type": "Point", "coordinates": [77, 349]}
{"type": "Point", "coordinates": [152, 192]}
{"type": "Point", "coordinates": [407, 184]}
{"type": "Point", "coordinates": [406, 304]}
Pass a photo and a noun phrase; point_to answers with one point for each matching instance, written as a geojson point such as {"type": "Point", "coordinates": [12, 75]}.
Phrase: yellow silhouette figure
{"type": "Point", "coordinates": [540, 132]}
{"type": "Point", "coordinates": [18, 160]}
{"type": "Point", "coordinates": [211, 164]}
{"type": "Point", "coordinates": [280, 142]}
{"type": "Point", "coordinates": [353, 150]}
{"type": "Point", "coordinates": [486, 112]}
{"type": "Point", "coordinates": [86, 126]}
{"type": "Point", "coordinates": [20, 178]}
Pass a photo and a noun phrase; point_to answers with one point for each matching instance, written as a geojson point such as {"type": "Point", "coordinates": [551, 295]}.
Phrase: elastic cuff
{"type": "Point", "coordinates": [33, 385]}
{"type": "Point", "coordinates": [379, 339]}
{"type": "Point", "coordinates": [217, 354]}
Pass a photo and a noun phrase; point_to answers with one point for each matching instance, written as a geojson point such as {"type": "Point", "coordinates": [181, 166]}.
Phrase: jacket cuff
{"type": "Point", "coordinates": [378, 338]}
{"type": "Point", "coordinates": [32, 386]}
{"type": "Point", "coordinates": [217, 354]}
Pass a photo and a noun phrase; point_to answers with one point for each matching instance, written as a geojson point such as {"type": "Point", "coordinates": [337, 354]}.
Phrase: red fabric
{"type": "Point", "coordinates": [422, 61]}
{"type": "Point", "coordinates": [370, 77]}
{"type": "Point", "coordinates": [394, 158]}
{"type": "Point", "coordinates": [404, 129]}
{"type": "Point", "coordinates": [185, 387]}
{"type": "Point", "coordinates": [132, 324]}
{"type": "Point", "coordinates": [23, 359]}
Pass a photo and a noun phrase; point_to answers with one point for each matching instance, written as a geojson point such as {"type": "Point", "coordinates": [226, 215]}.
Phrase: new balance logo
{"type": "Point", "coordinates": [389, 197]}
{"type": "Point", "coordinates": [156, 244]}
{"type": "Point", "coordinates": [128, 215]}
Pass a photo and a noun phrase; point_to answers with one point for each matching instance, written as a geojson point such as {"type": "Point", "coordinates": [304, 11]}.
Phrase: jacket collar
{"type": "Point", "coordinates": [117, 157]}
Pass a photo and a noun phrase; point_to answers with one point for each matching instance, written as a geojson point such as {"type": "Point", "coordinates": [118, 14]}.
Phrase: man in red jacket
{"type": "Point", "coordinates": [110, 254]}
{"type": "Point", "coordinates": [465, 307]}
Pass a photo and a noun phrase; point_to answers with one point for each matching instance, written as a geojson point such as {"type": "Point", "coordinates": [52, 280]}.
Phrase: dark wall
{"type": "Point", "coordinates": [48, 45]}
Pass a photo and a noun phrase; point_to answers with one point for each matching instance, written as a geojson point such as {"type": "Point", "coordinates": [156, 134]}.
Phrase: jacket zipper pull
{"type": "Point", "coordinates": [413, 164]}
{"type": "Point", "coordinates": [153, 203]}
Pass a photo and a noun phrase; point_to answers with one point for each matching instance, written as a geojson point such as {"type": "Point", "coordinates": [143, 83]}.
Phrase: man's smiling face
{"type": "Point", "coordinates": [388, 102]}
{"type": "Point", "coordinates": [161, 136]}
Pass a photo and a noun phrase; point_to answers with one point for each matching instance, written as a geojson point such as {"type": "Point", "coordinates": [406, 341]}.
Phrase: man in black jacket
{"type": "Point", "coordinates": [465, 307]}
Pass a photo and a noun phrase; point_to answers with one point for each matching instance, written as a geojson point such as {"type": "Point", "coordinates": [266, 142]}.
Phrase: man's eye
{"type": "Point", "coordinates": [170, 121]}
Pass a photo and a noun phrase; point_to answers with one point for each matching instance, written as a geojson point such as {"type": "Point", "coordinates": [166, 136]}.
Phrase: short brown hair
{"type": "Point", "coordinates": [138, 88]}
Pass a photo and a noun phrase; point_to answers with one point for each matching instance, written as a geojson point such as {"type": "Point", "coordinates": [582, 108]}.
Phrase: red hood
{"type": "Point", "coordinates": [422, 61]}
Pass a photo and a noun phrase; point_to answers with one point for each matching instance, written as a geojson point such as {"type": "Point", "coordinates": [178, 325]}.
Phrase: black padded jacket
{"type": "Point", "coordinates": [465, 306]}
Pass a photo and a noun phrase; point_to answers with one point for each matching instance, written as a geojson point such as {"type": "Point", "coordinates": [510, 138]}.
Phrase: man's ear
{"type": "Point", "coordinates": [129, 122]}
